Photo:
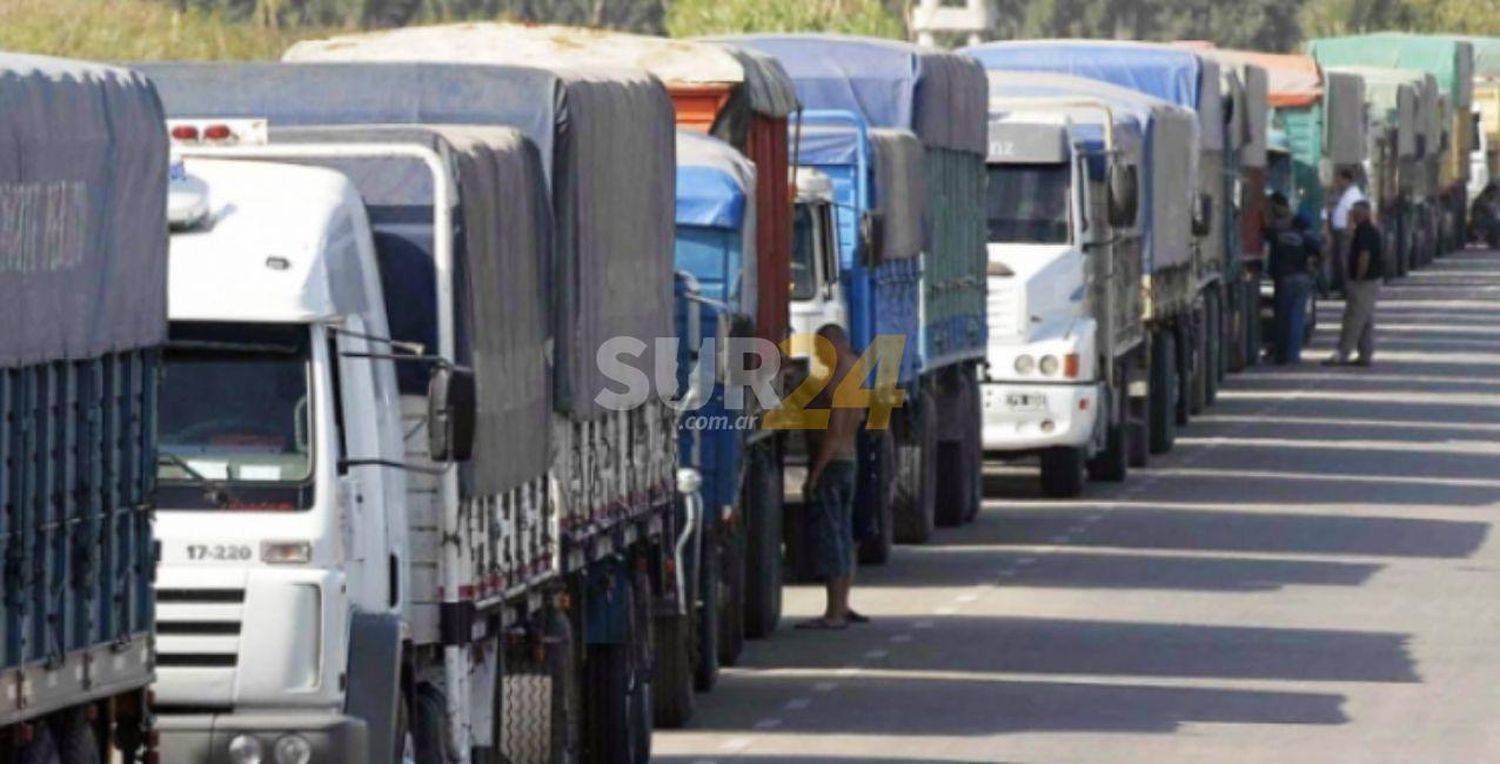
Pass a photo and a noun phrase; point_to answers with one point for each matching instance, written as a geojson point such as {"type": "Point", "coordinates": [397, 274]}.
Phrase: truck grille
{"type": "Point", "coordinates": [1005, 304]}
{"type": "Point", "coordinates": [198, 628]}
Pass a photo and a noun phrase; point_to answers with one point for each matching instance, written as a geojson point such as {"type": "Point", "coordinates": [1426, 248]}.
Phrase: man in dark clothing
{"type": "Point", "coordinates": [1366, 270]}
{"type": "Point", "coordinates": [1294, 252]}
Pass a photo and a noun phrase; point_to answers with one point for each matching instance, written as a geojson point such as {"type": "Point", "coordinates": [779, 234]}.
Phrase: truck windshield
{"type": "Point", "coordinates": [1028, 203]}
{"type": "Point", "coordinates": [804, 249]}
{"type": "Point", "coordinates": [234, 415]}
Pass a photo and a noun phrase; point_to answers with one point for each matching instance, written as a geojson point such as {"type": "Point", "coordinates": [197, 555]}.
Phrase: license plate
{"type": "Point", "coordinates": [1025, 401]}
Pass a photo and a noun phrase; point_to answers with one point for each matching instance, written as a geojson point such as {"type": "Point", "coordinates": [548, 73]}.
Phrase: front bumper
{"type": "Point", "coordinates": [205, 738]}
{"type": "Point", "coordinates": [1065, 418]}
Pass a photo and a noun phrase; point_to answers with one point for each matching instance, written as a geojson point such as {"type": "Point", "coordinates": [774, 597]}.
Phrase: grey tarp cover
{"type": "Point", "coordinates": [607, 146]}
{"type": "Point", "coordinates": [1346, 123]}
{"type": "Point", "coordinates": [901, 186]}
{"type": "Point", "coordinates": [501, 264]}
{"type": "Point", "coordinates": [83, 211]}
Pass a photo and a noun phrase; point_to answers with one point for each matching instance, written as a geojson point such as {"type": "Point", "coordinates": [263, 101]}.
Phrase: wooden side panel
{"type": "Point", "coordinates": [768, 149]}
{"type": "Point", "coordinates": [1253, 214]}
{"type": "Point", "coordinates": [698, 106]}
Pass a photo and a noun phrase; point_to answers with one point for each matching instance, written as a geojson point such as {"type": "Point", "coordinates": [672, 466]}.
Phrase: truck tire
{"type": "Point", "coordinates": [1253, 341]}
{"type": "Point", "coordinates": [706, 627]}
{"type": "Point", "coordinates": [973, 410]}
{"type": "Point", "coordinates": [915, 503]}
{"type": "Point", "coordinates": [1139, 434]}
{"type": "Point", "coordinates": [1062, 472]}
{"type": "Point", "coordinates": [1198, 363]}
{"type": "Point", "coordinates": [76, 743]}
{"type": "Point", "coordinates": [1185, 345]}
{"type": "Point", "coordinates": [1112, 463]}
{"type": "Point", "coordinates": [429, 732]}
{"type": "Point", "coordinates": [954, 471]}
{"type": "Point", "coordinates": [1218, 340]}
{"type": "Point", "coordinates": [642, 665]}
{"type": "Point", "coordinates": [764, 506]}
{"type": "Point", "coordinates": [610, 739]}
{"type": "Point", "coordinates": [732, 597]}
{"type": "Point", "coordinates": [672, 696]}
{"type": "Point", "coordinates": [1165, 390]}
{"type": "Point", "coordinates": [876, 550]}
{"type": "Point", "coordinates": [41, 750]}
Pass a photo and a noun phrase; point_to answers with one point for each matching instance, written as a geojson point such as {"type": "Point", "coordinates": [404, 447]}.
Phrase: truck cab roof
{"type": "Point", "coordinates": [280, 243]}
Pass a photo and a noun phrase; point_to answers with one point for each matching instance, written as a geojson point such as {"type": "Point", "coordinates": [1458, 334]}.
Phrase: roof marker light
{"type": "Point", "coordinates": [217, 133]}
{"type": "Point", "coordinates": [184, 133]}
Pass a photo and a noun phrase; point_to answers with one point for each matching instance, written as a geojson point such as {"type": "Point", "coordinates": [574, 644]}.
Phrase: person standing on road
{"type": "Point", "coordinates": [1348, 195]}
{"type": "Point", "coordinates": [1366, 270]}
{"type": "Point", "coordinates": [829, 490]}
{"type": "Point", "coordinates": [1294, 252]}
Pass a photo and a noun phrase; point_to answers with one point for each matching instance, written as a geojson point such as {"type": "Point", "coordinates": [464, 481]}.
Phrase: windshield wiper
{"type": "Point", "coordinates": [213, 490]}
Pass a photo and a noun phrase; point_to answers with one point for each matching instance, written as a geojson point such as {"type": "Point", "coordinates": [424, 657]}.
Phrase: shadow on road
{"type": "Point", "coordinates": [1230, 531]}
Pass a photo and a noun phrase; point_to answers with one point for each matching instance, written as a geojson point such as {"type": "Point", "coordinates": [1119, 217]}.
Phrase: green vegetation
{"type": "Point", "coordinates": [687, 18]}
{"type": "Point", "coordinates": [136, 30]}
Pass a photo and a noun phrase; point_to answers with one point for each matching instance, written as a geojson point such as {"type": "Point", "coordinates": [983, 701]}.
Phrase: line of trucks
{"type": "Point", "coordinates": [425, 397]}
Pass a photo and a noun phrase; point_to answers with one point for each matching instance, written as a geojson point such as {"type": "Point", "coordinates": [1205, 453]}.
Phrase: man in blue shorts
{"type": "Point", "coordinates": [829, 491]}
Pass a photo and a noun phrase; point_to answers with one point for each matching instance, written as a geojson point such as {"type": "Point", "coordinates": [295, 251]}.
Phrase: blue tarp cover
{"type": "Point", "coordinates": [712, 181]}
{"type": "Point", "coordinates": [936, 94]}
{"type": "Point", "coordinates": [83, 211]}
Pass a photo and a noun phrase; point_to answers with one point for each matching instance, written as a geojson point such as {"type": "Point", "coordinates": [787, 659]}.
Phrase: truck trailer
{"type": "Point", "coordinates": [909, 183]}
{"type": "Point", "coordinates": [471, 604]}
{"type": "Point", "coordinates": [83, 317]}
{"type": "Point", "coordinates": [740, 97]}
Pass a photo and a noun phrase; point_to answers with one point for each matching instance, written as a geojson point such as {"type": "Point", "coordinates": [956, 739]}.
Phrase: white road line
{"type": "Point", "coordinates": [847, 671]}
{"type": "Point", "coordinates": [798, 704]}
{"type": "Point", "coordinates": [945, 610]}
{"type": "Point", "coordinates": [768, 724]}
{"type": "Point", "coordinates": [966, 598]}
{"type": "Point", "coordinates": [924, 624]}
{"type": "Point", "coordinates": [736, 743]}
{"type": "Point", "coordinates": [876, 655]}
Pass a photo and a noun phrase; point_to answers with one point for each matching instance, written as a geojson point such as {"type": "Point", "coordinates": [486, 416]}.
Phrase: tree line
{"type": "Point", "coordinates": [1276, 25]}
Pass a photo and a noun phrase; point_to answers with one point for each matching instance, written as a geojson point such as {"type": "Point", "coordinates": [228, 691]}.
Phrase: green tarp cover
{"type": "Point", "coordinates": [1449, 59]}
{"type": "Point", "coordinates": [1486, 56]}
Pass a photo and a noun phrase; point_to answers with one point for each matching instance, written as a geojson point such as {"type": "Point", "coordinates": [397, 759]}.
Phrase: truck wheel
{"type": "Point", "coordinates": [642, 665]}
{"type": "Point", "coordinates": [915, 503]}
{"type": "Point", "coordinates": [877, 550]}
{"type": "Point", "coordinates": [1253, 339]}
{"type": "Point", "coordinates": [1164, 392]}
{"type": "Point", "coordinates": [1218, 340]}
{"type": "Point", "coordinates": [706, 631]}
{"type": "Point", "coordinates": [1062, 472]}
{"type": "Point", "coordinates": [1185, 346]}
{"type": "Point", "coordinates": [1113, 462]}
{"type": "Point", "coordinates": [76, 743]}
{"type": "Point", "coordinates": [1139, 432]}
{"type": "Point", "coordinates": [973, 450]}
{"type": "Point", "coordinates": [953, 473]}
{"type": "Point", "coordinates": [41, 750]}
{"type": "Point", "coordinates": [610, 738]}
{"type": "Point", "coordinates": [1198, 364]}
{"type": "Point", "coordinates": [672, 695]}
{"type": "Point", "coordinates": [428, 728]}
{"type": "Point", "coordinates": [764, 506]}
{"type": "Point", "coordinates": [732, 598]}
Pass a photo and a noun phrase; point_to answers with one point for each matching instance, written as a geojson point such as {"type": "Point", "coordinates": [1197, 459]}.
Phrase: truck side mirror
{"type": "Point", "coordinates": [1203, 215]}
{"type": "Point", "coordinates": [452, 408]}
{"type": "Point", "coordinates": [1123, 195]}
{"type": "Point", "coordinates": [872, 238]}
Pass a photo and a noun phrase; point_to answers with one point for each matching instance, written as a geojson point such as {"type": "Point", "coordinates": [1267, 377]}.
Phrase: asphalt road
{"type": "Point", "coordinates": [1311, 576]}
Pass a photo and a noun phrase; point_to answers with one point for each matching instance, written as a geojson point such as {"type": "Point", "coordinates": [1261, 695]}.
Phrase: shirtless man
{"type": "Point", "coordinates": [829, 491]}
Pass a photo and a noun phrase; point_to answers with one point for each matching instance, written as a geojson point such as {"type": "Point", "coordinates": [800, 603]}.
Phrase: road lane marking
{"type": "Point", "coordinates": [736, 743]}
{"type": "Point", "coordinates": [966, 598]}
{"type": "Point", "coordinates": [945, 610]}
{"type": "Point", "coordinates": [798, 704]}
{"type": "Point", "coordinates": [768, 724]}
{"type": "Point", "coordinates": [876, 655]}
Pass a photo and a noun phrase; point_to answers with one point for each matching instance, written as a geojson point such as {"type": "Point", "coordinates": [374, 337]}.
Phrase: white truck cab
{"type": "Point", "coordinates": [268, 543]}
{"type": "Point", "coordinates": [1048, 382]}
{"type": "Point", "coordinates": [817, 296]}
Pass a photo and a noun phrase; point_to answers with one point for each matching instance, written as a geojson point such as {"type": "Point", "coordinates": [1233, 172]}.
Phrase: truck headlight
{"type": "Point", "coordinates": [245, 749]}
{"type": "Point", "coordinates": [293, 749]}
{"type": "Point", "coordinates": [1025, 364]}
{"type": "Point", "coordinates": [1048, 365]}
